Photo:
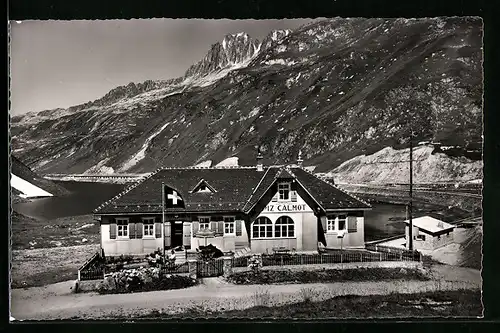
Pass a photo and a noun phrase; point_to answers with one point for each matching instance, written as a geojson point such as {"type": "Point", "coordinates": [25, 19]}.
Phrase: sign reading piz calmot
{"type": "Point", "coordinates": [286, 208]}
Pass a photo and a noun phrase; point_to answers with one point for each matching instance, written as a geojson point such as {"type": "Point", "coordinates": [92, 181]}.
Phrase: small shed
{"type": "Point", "coordinates": [429, 233]}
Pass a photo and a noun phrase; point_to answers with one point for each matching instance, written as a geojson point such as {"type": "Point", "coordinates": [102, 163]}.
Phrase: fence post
{"type": "Point", "coordinates": [380, 255]}
{"type": "Point", "coordinates": [376, 248]}
{"type": "Point", "coordinates": [321, 259]}
{"type": "Point", "coordinates": [193, 268]}
{"type": "Point", "coordinates": [78, 275]}
{"type": "Point", "coordinates": [301, 259]}
{"type": "Point", "coordinates": [401, 256]}
{"type": "Point", "coordinates": [281, 257]}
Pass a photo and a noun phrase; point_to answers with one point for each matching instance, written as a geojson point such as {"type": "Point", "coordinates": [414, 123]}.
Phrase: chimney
{"type": "Point", "coordinates": [260, 166]}
{"type": "Point", "coordinates": [300, 160]}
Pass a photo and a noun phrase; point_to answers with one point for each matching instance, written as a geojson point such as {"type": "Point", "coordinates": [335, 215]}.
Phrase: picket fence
{"type": "Point", "coordinates": [331, 258]}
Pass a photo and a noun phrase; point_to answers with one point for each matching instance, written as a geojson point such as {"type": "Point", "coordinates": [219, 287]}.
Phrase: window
{"type": "Point", "coordinates": [262, 228]}
{"type": "Point", "coordinates": [284, 191]}
{"type": "Point", "coordinates": [204, 223]}
{"type": "Point", "coordinates": [122, 228]}
{"type": "Point", "coordinates": [228, 225]}
{"type": "Point", "coordinates": [284, 227]}
{"type": "Point", "coordinates": [341, 222]}
{"type": "Point", "coordinates": [421, 237]}
{"type": "Point", "coordinates": [149, 226]}
{"type": "Point", "coordinates": [336, 223]}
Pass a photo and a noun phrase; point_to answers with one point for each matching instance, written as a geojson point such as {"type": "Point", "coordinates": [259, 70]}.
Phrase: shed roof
{"type": "Point", "coordinates": [430, 224]}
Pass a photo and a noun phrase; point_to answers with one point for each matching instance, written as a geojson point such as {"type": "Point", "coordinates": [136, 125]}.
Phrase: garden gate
{"type": "Point", "coordinates": [210, 268]}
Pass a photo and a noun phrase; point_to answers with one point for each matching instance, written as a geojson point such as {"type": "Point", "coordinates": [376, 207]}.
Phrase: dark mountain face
{"type": "Point", "coordinates": [335, 89]}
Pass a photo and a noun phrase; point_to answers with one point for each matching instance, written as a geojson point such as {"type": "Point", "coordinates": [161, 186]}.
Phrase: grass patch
{"type": "Point", "coordinates": [457, 303]}
{"type": "Point", "coordinates": [326, 275]}
{"type": "Point", "coordinates": [66, 231]}
{"type": "Point", "coordinates": [39, 267]}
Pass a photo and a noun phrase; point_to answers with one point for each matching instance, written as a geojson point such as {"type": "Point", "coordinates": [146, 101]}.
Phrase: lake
{"type": "Point", "coordinates": [85, 197]}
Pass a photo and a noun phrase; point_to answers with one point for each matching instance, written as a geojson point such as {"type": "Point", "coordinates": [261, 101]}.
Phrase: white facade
{"type": "Point", "coordinates": [304, 227]}
{"type": "Point", "coordinates": [125, 245]}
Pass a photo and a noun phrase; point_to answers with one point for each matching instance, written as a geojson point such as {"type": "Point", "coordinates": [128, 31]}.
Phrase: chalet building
{"type": "Point", "coordinates": [430, 233]}
{"type": "Point", "coordinates": [258, 208]}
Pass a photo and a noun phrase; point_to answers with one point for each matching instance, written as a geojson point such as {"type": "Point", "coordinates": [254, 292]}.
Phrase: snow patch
{"type": "Point", "coordinates": [230, 161]}
{"type": "Point", "coordinates": [204, 164]}
{"type": "Point", "coordinates": [310, 168]}
{"type": "Point", "coordinates": [27, 189]}
{"type": "Point", "coordinates": [280, 62]}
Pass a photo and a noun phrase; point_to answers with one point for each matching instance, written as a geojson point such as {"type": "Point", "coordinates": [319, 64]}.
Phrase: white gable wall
{"type": "Point", "coordinates": [305, 226]}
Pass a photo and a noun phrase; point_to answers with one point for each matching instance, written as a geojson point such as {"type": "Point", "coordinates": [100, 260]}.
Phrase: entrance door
{"type": "Point", "coordinates": [177, 230]}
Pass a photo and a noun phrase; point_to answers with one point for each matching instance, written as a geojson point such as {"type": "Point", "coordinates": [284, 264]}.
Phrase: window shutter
{"type": "Point", "coordinates": [131, 230]}
{"type": "Point", "coordinates": [195, 226]}
{"type": "Point", "coordinates": [187, 229]}
{"type": "Point", "coordinates": [293, 195]}
{"type": "Point", "coordinates": [323, 223]}
{"type": "Point", "coordinates": [158, 230]}
{"type": "Point", "coordinates": [213, 226]}
{"type": "Point", "coordinates": [220, 227]}
{"type": "Point", "coordinates": [112, 231]}
{"type": "Point", "coordinates": [166, 232]}
{"type": "Point", "coordinates": [238, 227]}
{"type": "Point", "coordinates": [352, 224]}
{"type": "Point", "coordinates": [275, 198]}
{"type": "Point", "coordinates": [138, 230]}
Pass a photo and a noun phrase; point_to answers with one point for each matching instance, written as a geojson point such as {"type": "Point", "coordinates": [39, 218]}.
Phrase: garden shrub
{"type": "Point", "coordinates": [325, 275]}
{"type": "Point", "coordinates": [209, 252]}
{"type": "Point", "coordinates": [142, 279]}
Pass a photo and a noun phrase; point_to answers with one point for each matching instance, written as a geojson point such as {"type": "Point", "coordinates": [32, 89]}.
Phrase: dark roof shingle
{"type": "Point", "coordinates": [238, 189]}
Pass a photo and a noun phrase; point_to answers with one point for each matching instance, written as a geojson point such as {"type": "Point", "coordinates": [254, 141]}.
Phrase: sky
{"type": "Point", "coordinates": [64, 63]}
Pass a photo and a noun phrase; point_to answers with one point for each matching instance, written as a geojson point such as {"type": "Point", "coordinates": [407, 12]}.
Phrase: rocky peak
{"type": "Point", "coordinates": [233, 50]}
{"type": "Point", "coordinates": [275, 36]}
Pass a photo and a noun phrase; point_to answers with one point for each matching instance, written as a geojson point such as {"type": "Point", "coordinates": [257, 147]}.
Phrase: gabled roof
{"type": "Point", "coordinates": [237, 189]}
{"type": "Point", "coordinates": [430, 224]}
{"type": "Point", "coordinates": [328, 195]}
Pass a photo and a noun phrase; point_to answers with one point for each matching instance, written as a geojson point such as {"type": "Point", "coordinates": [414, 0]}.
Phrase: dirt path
{"type": "Point", "coordinates": [56, 301]}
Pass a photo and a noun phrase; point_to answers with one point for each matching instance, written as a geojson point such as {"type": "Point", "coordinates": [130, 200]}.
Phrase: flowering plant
{"type": "Point", "coordinates": [255, 263]}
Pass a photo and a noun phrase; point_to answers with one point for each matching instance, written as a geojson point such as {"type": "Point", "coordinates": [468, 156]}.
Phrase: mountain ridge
{"type": "Point", "coordinates": [335, 89]}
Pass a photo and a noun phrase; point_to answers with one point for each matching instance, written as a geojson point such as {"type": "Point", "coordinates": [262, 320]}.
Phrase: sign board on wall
{"type": "Point", "coordinates": [279, 208]}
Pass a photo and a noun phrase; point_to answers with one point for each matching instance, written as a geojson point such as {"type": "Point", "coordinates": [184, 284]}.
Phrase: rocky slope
{"type": "Point", "coordinates": [335, 89]}
{"type": "Point", "coordinates": [391, 166]}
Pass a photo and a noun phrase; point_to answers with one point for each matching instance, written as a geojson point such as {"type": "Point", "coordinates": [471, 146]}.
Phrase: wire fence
{"type": "Point", "coordinates": [383, 254]}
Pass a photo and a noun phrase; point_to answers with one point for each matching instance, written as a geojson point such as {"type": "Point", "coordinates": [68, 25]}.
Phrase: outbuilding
{"type": "Point", "coordinates": [429, 233]}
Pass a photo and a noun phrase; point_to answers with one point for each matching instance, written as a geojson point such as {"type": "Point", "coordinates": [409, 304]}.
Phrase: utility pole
{"type": "Point", "coordinates": [410, 229]}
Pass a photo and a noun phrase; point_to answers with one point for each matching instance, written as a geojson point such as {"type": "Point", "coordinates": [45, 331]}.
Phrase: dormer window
{"type": "Point", "coordinates": [203, 187]}
{"type": "Point", "coordinates": [284, 191]}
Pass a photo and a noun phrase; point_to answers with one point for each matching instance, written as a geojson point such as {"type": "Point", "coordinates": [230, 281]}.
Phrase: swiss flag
{"type": "Point", "coordinates": [173, 199]}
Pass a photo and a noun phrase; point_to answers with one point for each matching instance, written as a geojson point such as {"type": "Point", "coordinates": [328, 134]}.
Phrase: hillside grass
{"type": "Point", "coordinates": [456, 303]}
{"type": "Point", "coordinates": [30, 233]}
{"type": "Point", "coordinates": [40, 267]}
{"type": "Point", "coordinates": [46, 252]}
